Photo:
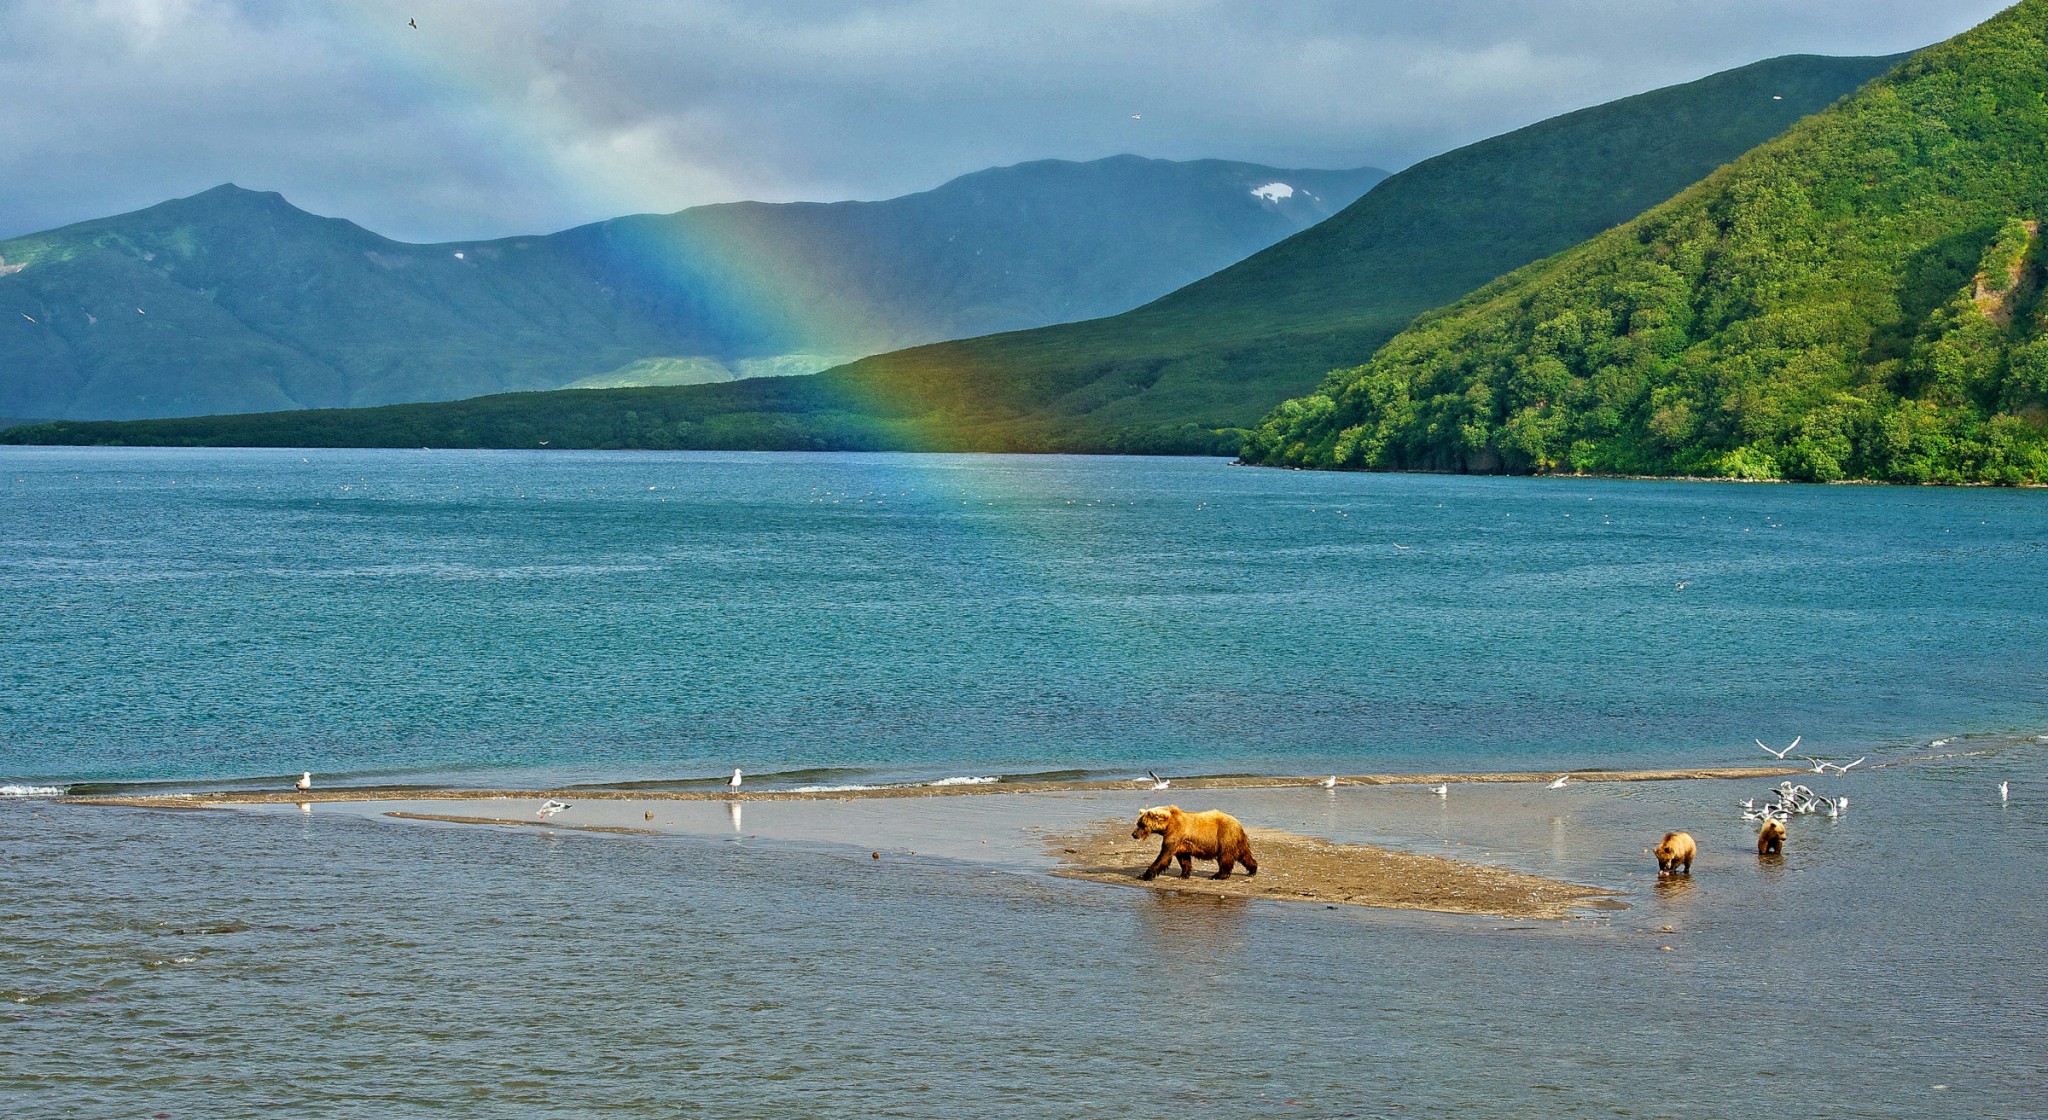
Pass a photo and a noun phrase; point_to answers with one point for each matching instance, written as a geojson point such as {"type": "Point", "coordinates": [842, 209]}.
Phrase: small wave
{"type": "Point", "coordinates": [963, 781]}
{"type": "Point", "coordinates": [831, 789]}
{"type": "Point", "coordinates": [31, 791]}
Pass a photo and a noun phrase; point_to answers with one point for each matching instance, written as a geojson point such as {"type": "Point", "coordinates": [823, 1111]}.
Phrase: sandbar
{"type": "Point", "coordinates": [598, 793]}
{"type": "Point", "coordinates": [1295, 868]}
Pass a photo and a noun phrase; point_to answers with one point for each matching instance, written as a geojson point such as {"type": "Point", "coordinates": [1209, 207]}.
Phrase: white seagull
{"type": "Point", "coordinates": [1442, 790]}
{"type": "Point", "coordinates": [1778, 754]}
{"type": "Point", "coordinates": [1559, 783]}
{"type": "Point", "coordinates": [1329, 782]}
{"type": "Point", "coordinates": [1157, 781]}
{"type": "Point", "coordinates": [2005, 791]}
{"type": "Point", "coordinates": [549, 808]}
{"type": "Point", "coordinates": [734, 784]}
{"type": "Point", "coordinates": [305, 781]}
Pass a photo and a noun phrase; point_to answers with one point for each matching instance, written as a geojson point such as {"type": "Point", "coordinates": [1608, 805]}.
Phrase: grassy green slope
{"type": "Point", "coordinates": [1859, 298]}
{"type": "Point", "coordinates": [1179, 373]}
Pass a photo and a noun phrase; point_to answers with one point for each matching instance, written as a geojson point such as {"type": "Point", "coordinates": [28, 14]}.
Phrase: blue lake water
{"type": "Point", "coordinates": [487, 618]}
{"type": "Point", "coordinates": [497, 616]}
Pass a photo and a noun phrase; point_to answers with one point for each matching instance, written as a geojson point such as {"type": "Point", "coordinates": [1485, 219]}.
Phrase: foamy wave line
{"type": "Point", "coordinates": [31, 791]}
{"type": "Point", "coordinates": [963, 781]}
{"type": "Point", "coordinates": [831, 789]}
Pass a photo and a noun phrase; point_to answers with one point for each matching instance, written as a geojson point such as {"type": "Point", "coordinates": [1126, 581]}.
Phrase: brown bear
{"type": "Point", "coordinates": [1675, 853]}
{"type": "Point", "coordinates": [1770, 839]}
{"type": "Point", "coordinates": [1191, 836]}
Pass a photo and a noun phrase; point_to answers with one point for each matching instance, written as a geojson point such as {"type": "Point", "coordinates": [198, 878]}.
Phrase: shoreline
{"type": "Point", "coordinates": [887, 792]}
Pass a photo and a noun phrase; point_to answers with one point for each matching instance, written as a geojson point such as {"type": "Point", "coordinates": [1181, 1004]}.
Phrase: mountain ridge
{"type": "Point", "coordinates": [1181, 373]}
{"type": "Point", "coordinates": [258, 304]}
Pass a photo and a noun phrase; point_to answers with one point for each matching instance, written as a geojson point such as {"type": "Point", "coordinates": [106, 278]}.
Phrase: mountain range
{"type": "Point", "coordinates": [1860, 298]}
{"type": "Point", "coordinates": [236, 301]}
{"type": "Point", "coordinates": [1188, 371]}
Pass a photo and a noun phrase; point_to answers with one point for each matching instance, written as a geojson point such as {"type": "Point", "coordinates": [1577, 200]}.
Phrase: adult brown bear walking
{"type": "Point", "coordinates": [1674, 853]}
{"type": "Point", "coordinates": [1770, 840]}
{"type": "Point", "coordinates": [1191, 836]}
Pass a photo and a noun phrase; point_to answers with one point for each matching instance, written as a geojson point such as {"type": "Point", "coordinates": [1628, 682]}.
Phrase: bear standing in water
{"type": "Point", "coordinates": [1674, 854]}
{"type": "Point", "coordinates": [1191, 836]}
{"type": "Point", "coordinates": [1770, 840]}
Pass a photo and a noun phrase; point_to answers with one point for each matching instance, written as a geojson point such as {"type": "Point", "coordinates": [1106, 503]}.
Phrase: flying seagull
{"type": "Point", "coordinates": [1329, 782]}
{"type": "Point", "coordinates": [28, 316]}
{"type": "Point", "coordinates": [413, 23]}
{"type": "Point", "coordinates": [549, 808]}
{"type": "Point", "coordinates": [1776, 753]}
{"type": "Point", "coordinates": [1559, 783]}
{"type": "Point", "coordinates": [734, 784]}
{"type": "Point", "coordinates": [1157, 781]}
{"type": "Point", "coordinates": [305, 781]}
{"type": "Point", "coordinates": [1137, 116]}
{"type": "Point", "coordinates": [1826, 766]}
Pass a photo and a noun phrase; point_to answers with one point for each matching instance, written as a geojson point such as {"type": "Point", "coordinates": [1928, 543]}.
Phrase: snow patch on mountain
{"type": "Point", "coordinates": [1274, 192]}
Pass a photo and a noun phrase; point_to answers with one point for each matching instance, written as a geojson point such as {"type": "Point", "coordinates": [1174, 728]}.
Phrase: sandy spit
{"type": "Point", "coordinates": [549, 825]}
{"type": "Point", "coordinates": [1294, 868]}
{"type": "Point", "coordinates": [406, 793]}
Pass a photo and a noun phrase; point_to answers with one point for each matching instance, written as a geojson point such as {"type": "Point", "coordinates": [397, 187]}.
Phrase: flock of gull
{"type": "Point", "coordinates": [1790, 800]}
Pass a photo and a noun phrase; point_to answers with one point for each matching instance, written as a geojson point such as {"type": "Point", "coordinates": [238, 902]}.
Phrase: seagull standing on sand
{"type": "Point", "coordinates": [1157, 781]}
{"type": "Point", "coordinates": [305, 781]}
{"type": "Point", "coordinates": [1559, 783]}
{"type": "Point", "coordinates": [1777, 754]}
{"type": "Point", "coordinates": [734, 784]}
{"type": "Point", "coordinates": [549, 808]}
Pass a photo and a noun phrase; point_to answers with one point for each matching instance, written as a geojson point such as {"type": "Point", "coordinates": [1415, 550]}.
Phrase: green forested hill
{"type": "Point", "coordinates": [1180, 373]}
{"type": "Point", "coordinates": [1860, 298]}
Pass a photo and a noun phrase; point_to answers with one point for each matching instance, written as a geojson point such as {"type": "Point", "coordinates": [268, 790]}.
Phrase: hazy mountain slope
{"type": "Point", "coordinates": [234, 300]}
{"type": "Point", "coordinates": [1214, 355]}
{"type": "Point", "coordinates": [1860, 298]}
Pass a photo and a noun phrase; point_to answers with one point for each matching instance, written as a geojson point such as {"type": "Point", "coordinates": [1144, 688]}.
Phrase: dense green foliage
{"type": "Point", "coordinates": [235, 301]}
{"type": "Point", "coordinates": [1182, 373]}
{"type": "Point", "coordinates": [1857, 299]}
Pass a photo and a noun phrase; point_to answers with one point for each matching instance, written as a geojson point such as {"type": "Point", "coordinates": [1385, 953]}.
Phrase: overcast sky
{"type": "Point", "coordinates": [532, 115]}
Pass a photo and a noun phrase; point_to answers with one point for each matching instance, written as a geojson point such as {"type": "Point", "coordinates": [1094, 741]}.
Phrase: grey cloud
{"type": "Point", "coordinates": [525, 115]}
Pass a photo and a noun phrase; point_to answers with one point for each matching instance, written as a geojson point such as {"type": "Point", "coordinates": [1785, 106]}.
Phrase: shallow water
{"type": "Point", "coordinates": [502, 617]}
{"type": "Point", "coordinates": [336, 964]}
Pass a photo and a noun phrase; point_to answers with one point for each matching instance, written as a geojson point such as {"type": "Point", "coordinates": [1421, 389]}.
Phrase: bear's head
{"type": "Point", "coordinates": [1152, 821]}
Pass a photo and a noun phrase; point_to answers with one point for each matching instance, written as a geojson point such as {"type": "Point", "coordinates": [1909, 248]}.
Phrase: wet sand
{"type": "Point", "coordinates": [411, 793]}
{"type": "Point", "coordinates": [444, 818]}
{"type": "Point", "coordinates": [1295, 868]}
